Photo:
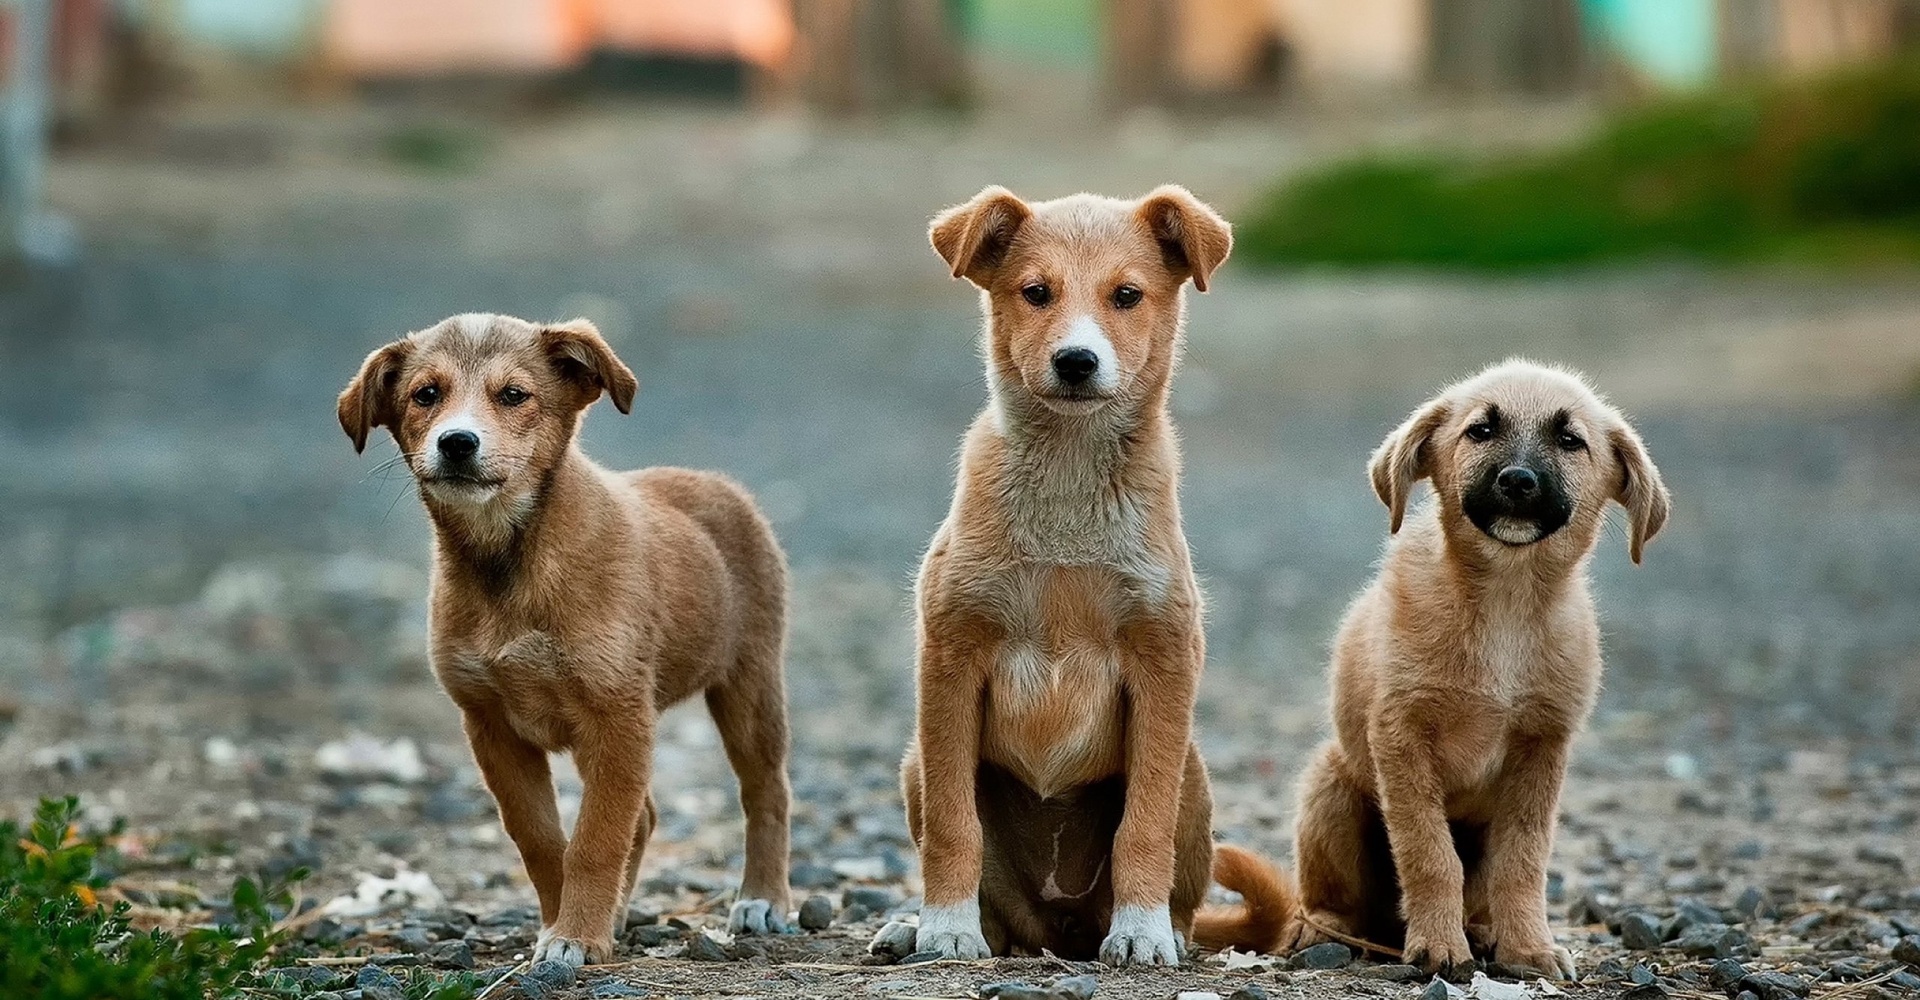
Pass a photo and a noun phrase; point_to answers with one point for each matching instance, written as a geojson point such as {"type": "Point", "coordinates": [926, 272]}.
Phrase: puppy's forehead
{"type": "Point", "coordinates": [1523, 389]}
{"type": "Point", "coordinates": [1085, 222]}
{"type": "Point", "coordinates": [471, 340]}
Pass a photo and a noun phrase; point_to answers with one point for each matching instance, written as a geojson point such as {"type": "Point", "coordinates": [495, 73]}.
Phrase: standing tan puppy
{"type": "Point", "coordinates": [1460, 676]}
{"type": "Point", "coordinates": [1053, 787]}
{"type": "Point", "coordinates": [570, 605]}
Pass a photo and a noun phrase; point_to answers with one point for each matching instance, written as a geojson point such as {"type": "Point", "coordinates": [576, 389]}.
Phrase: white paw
{"type": "Point", "coordinates": [1140, 936]}
{"type": "Point", "coordinates": [896, 940]}
{"type": "Point", "coordinates": [755, 916]}
{"type": "Point", "coordinates": [953, 931]}
{"type": "Point", "coordinates": [549, 947]}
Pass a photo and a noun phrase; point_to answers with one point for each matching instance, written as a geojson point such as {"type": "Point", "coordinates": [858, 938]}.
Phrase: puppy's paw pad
{"type": "Point", "coordinates": [964, 945]}
{"type": "Point", "coordinates": [573, 952]}
{"type": "Point", "coordinates": [1550, 962]}
{"type": "Point", "coordinates": [755, 916]}
{"type": "Point", "coordinates": [897, 939]}
{"type": "Point", "coordinates": [1140, 936]}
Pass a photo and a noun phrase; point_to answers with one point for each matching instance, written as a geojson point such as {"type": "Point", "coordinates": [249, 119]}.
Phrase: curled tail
{"type": "Point", "coordinates": [1256, 924]}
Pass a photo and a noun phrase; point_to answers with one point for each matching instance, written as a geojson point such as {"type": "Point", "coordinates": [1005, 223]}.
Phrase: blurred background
{"type": "Point", "coordinates": [213, 209]}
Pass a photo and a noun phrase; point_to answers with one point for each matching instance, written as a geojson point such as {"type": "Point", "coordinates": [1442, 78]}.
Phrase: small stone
{"type": "Point", "coordinates": [653, 935]}
{"type": "Point", "coordinates": [1251, 991]}
{"type": "Point", "coordinates": [1726, 972]}
{"type": "Point", "coordinates": [1711, 941]}
{"type": "Point", "coordinates": [1806, 924]}
{"type": "Point", "coordinates": [1325, 955]}
{"type": "Point", "coordinates": [612, 990]}
{"type": "Point", "coordinates": [451, 954]}
{"type": "Point", "coordinates": [1753, 904]}
{"type": "Point", "coordinates": [1075, 987]}
{"type": "Point", "coordinates": [557, 974]}
{"type": "Point", "coordinates": [1437, 990]}
{"type": "Point", "coordinates": [1747, 995]}
{"type": "Point", "coordinates": [1196, 995]}
{"type": "Point", "coordinates": [1641, 931]}
{"type": "Point", "coordinates": [1692, 912]}
{"type": "Point", "coordinates": [703, 948]}
{"type": "Point", "coordinates": [376, 983]}
{"type": "Point", "coordinates": [1013, 991]}
{"type": "Point", "coordinates": [855, 913]}
{"type": "Point", "coordinates": [1769, 985]}
{"type": "Point", "coordinates": [808, 875]}
{"type": "Point", "coordinates": [816, 914]}
{"type": "Point", "coordinates": [922, 958]}
{"type": "Point", "coordinates": [1609, 969]}
{"type": "Point", "coordinates": [1392, 973]}
{"type": "Point", "coordinates": [873, 898]}
{"type": "Point", "coordinates": [1907, 950]}
{"type": "Point", "coordinates": [1640, 975]}
{"type": "Point", "coordinates": [1906, 981]}
{"type": "Point", "coordinates": [1645, 991]}
{"type": "Point", "coordinates": [1587, 909]}
{"type": "Point", "coordinates": [1850, 968]}
{"type": "Point", "coordinates": [892, 986]}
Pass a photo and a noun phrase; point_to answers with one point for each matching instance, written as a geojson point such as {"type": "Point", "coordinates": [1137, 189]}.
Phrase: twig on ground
{"type": "Point", "coordinates": [516, 970]}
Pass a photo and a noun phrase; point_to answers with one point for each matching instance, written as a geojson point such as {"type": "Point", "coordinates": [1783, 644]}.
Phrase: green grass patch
{"type": "Point", "coordinates": [1825, 172]}
{"type": "Point", "coordinates": [60, 940]}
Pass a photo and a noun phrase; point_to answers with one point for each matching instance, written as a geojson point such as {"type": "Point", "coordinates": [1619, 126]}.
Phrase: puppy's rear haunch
{"type": "Point", "coordinates": [570, 605]}
{"type": "Point", "coordinates": [1052, 786]}
{"type": "Point", "coordinates": [1460, 677]}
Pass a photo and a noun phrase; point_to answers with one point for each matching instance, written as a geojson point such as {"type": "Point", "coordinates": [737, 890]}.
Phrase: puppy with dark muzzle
{"type": "Point", "coordinates": [1460, 677]}
{"type": "Point", "coordinates": [572, 604]}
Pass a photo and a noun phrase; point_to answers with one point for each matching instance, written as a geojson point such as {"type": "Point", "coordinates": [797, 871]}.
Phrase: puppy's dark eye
{"type": "Point", "coordinates": [1037, 294]}
{"type": "Point", "coordinates": [426, 395]}
{"type": "Point", "coordinates": [1482, 431]}
{"type": "Point", "coordinates": [512, 395]}
{"type": "Point", "coordinates": [1569, 441]}
{"type": "Point", "coordinates": [1126, 297]}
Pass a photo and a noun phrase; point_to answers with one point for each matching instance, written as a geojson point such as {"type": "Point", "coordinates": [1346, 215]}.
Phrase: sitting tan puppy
{"type": "Point", "coordinates": [1460, 676]}
{"type": "Point", "coordinates": [571, 605]}
{"type": "Point", "coordinates": [1053, 786]}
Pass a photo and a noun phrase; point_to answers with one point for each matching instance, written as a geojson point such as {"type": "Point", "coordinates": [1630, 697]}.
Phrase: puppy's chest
{"type": "Point", "coordinates": [1053, 694]}
{"type": "Point", "coordinates": [525, 676]}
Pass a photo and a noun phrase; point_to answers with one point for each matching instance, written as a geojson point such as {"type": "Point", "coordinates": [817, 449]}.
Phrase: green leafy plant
{"type": "Point", "coordinates": [59, 942]}
{"type": "Point", "coordinates": [1821, 171]}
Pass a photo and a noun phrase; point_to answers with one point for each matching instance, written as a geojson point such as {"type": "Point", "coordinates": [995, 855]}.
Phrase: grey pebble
{"type": "Point", "coordinates": [612, 989]}
{"type": "Point", "coordinates": [1640, 931]}
{"type": "Point", "coordinates": [653, 935]}
{"type": "Point", "coordinates": [816, 914]}
{"type": "Point", "coordinates": [1906, 981]}
{"type": "Point", "coordinates": [1747, 995]}
{"type": "Point", "coordinates": [1712, 941]}
{"type": "Point", "coordinates": [808, 875]}
{"type": "Point", "coordinates": [1806, 924]}
{"type": "Point", "coordinates": [1726, 972]}
{"type": "Point", "coordinates": [1769, 985]}
{"type": "Point", "coordinates": [701, 948]}
{"type": "Point", "coordinates": [1907, 950]}
{"type": "Point", "coordinates": [451, 954]}
{"type": "Point", "coordinates": [921, 958]}
{"type": "Point", "coordinates": [1640, 975]}
{"type": "Point", "coordinates": [1436, 990]}
{"type": "Point", "coordinates": [1326, 955]}
{"type": "Point", "coordinates": [1074, 987]}
{"type": "Point", "coordinates": [553, 973]}
{"type": "Point", "coordinates": [376, 983]}
{"type": "Point", "coordinates": [872, 897]}
{"type": "Point", "coordinates": [1251, 991]}
{"type": "Point", "coordinates": [1645, 991]}
{"type": "Point", "coordinates": [855, 913]}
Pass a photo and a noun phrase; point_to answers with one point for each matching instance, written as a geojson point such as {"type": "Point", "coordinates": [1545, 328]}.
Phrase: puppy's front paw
{"type": "Point", "coordinates": [953, 931]}
{"type": "Point", "coordinates": [1141, 936]}
{"type": "Point", "coordinates": [552, 946]}
{"type": "Point", "coordinates": [756, 916]}
{"type": "Point", "coordinates": [1548, 960]}
{"type": "Point", "coordinates": [1438, 952]}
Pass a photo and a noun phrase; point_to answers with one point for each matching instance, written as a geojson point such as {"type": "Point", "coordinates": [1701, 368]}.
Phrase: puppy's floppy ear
{"type": "Point", "coordinates": [1402, 459]}
{"type": "Point", "coordinates": [973, 238]}
{"type": "Point", "coordinates": [1192, 236]}
{"type": "Point", "coordinates": [368, 401]}
{"type": "Point", "coordinates": [1641, 490]}
{"type": "Point", "coordinates": [582, 356]}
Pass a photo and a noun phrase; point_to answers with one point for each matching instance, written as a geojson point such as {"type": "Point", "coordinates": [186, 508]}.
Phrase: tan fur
{"type": "Point", "coordinates": [571, 604]}
{"type": "Point", "coordinates": [1059, 623]}
{"type": "Point", "coordinates": [1460, 676]}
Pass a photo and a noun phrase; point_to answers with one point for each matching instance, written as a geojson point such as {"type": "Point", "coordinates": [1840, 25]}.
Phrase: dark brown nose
{"type": "Point", "coordinates": [1075, 365]}
{"type": "Point", "coordinates": [459, 445]}
{"type": "Point", "coordinates": [1517, 483]}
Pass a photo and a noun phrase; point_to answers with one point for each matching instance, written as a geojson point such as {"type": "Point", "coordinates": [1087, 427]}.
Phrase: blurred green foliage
{"type": "Point", "coordinates": [436, 147]}
{"type": "Point", "coordinates": [1821, 171]}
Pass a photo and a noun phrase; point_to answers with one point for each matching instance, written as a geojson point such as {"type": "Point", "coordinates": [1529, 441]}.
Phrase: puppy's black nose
{"type": "Point", "coordinates": [1075, 365]}
{"type": "Point", "coordinates": [459, 444]}
{"type": "Point", "coordinates": [1517, 483]}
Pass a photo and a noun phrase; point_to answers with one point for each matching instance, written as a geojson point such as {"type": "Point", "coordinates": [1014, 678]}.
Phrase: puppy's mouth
{"type": "Point", "coordinates": [462, 486]}
{"type": "Point", "coordinates": [1514, 525]}
{"type": "Point", "coordinates": [1074, 401]}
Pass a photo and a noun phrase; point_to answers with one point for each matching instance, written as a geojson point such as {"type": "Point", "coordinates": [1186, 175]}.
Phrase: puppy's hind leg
{"type": "Point", "coordinates": [750, 710]}
{"type": "Point", "coordinates": [1343, 877]}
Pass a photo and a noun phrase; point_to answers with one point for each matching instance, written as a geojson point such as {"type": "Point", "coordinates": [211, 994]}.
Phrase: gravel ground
{"type": "Point", "coordinates": [209, 589]}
